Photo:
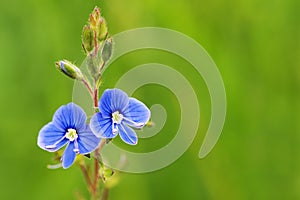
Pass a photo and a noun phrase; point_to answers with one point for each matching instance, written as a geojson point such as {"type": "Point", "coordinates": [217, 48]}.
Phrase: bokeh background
{"type": "Point", "coordinates": [255, 44]}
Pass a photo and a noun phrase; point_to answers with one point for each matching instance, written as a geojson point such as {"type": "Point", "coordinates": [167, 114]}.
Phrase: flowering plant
{"type": "Point", "coordinates": [115, 113]}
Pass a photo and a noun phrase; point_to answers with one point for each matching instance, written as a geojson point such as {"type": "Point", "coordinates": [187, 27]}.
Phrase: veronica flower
{"type": "Point", "coordinates": [68, 127]}
{"type": "Point", "coordinates": [117, 114]}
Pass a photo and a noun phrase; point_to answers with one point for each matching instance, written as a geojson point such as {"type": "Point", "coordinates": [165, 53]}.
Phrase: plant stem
{"type": "Point", "coordinates": [87, 85]}
{"type": "Point", "coordinates": [94, 183]}
{"type": "Point", "coordinates": [105, 194]}
{"type": "Point", "coordinates": [87, 177]}
{"type": "Point", "coordinates": [97, 151]}
{"type": "Point", "coordinates": [96, 164]}
{"type": "Point", "coordinates": [101, 67]}
{"type": "Point", "coordinates": [96, 44]}
{"type": "Point", "coordinates": [96, 168]}
{"type": "Point", "coordinates": [96, 98]}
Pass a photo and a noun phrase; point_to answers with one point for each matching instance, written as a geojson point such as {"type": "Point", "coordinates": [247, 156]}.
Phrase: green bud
{"type": "Point", "coordinates": [107, 50]}
{"type": "Point", "coordinates": [95, 18]}
{"type": "Point", "coordinates": [98, 24]}
{"type": "Point", "coordinates": [149, 124]}
{"type": "Point", "coordinates": [102, 30]}
{"type": "Point", "coordinates": [106, 172]}
{"type": "Point", "coordinates": [69, 69]}
{"type": "Point", "coordinates": [87, 39]}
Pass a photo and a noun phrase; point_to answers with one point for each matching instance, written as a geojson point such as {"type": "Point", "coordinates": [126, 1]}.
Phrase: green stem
{"type": "Point", "coordinates": [97, 151]}
{"type": "Point", "coordinates": [93, 184]}
{"type": "Point", "coordinates": [101, 67]}
{"type": "Point", "coordinates": [105, 194]}
{"type": "Point", "coordinates": [87, 85]}
{"type": "Point", "coordinates": [87, 177]}
{"type": "Point", "coordinates": [96, 44]}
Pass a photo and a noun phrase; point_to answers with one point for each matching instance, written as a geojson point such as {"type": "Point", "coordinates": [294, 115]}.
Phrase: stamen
{"type": "Point", "coordinates": [135, 124]}
{"type": "Point", "coordinates": [114, 130]}
{"type": "Point", "coordinates": [76, 150]}
{"type": "Point", "coordinates": [71, 134]}
{"type": "Point", "coordinates": [53, 146]}
{"type": "Point", "coordinates": [117, 117]}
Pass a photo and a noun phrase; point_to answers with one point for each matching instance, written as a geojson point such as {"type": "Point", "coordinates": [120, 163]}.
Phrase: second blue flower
{"type": "Point", "coordinates": [118, 113]}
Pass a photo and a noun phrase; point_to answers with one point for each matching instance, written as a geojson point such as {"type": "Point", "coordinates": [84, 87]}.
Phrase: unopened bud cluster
{"type": "Point", "coordinates": [95, 32]}
{"type": "Point", "coordinates": [98, 47]}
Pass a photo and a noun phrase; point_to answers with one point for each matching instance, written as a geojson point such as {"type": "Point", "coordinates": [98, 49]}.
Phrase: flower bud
{"type": "Point", "coordinates": [69, 69]}
{"type": "Point", "coordinates": [98, 25]}
{"type": "Point", "coordinates": [149, 124]}
{"type": "Point", "coordinates": [107, 50]}
{"type": "Point", "coordinates": [102, 30]}
{"type": "Point", "coordinates": [87, 39]}
{"type": "Point", "coordinates": [106, 172]}
{"type": "Point", "coordinates": [95, 18]}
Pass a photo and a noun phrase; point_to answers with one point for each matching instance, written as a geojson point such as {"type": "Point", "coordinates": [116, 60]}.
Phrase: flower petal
{"type": "Point", "coordinates": [137, 114]}
{"type": "Point", "coordinates": [127, 134]}
{"type": "Point", "coordinates": [51, 136]}
{"type": "Point", "coordinates": [102, 127]}
{"type": "Point", "coordinates": [69, 116]}
{"type": "Point", "coordinates": [87, 141]}
{"type": "Point", "coordinates": [69, 155]}
{"type": "Point", "coordinates": [113, 100]}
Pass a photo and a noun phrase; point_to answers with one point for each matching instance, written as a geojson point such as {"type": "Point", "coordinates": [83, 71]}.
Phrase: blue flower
{"type": "Point", "coordinates": [68, 127]}
{"type": "Point", "coordinates": [117, 114]}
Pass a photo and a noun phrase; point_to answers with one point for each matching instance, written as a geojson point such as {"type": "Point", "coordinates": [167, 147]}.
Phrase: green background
{"type": "Point", "coordinates": [256, 46]}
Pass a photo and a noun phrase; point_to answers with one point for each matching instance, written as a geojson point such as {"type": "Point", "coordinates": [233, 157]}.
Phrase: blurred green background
{"type": "Point", "coordinates": [255, 44]}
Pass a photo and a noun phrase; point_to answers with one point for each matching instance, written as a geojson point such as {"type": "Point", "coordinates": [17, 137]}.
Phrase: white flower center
{"type": "Point", "coordinates": [71, 134]}
{"type": "Point", "coordinates": [117, 117]}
